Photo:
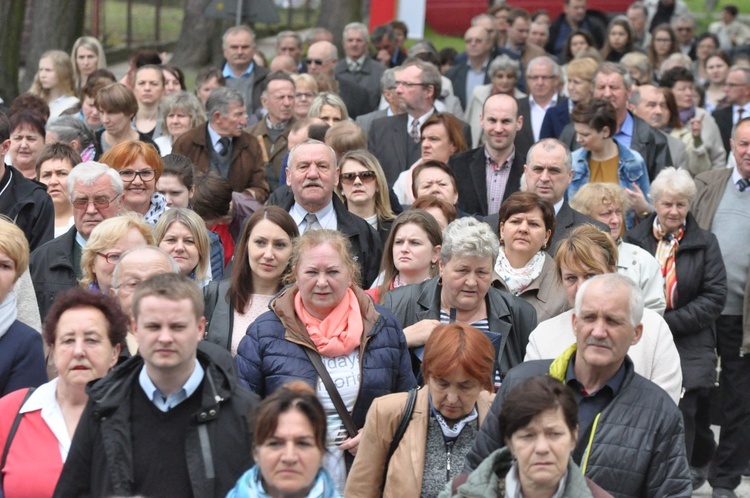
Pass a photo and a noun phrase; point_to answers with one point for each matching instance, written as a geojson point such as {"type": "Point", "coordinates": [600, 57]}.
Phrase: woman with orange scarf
{"type": "Point", "coordinates": [695, 285]}
{"type": "Point", "coordinates": [324, 329]}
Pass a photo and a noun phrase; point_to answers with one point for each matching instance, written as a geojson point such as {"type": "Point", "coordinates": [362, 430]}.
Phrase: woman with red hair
{"type": "Point", "coordinates": [457, 368]}
{"type": "Point", "coordinates": [140, 165]}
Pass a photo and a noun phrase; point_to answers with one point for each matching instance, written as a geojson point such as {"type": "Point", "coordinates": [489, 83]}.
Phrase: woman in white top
{"type": "Point", "coordinates": [180, 112]}
{"type": "Point", "coordinates": [54, 82]}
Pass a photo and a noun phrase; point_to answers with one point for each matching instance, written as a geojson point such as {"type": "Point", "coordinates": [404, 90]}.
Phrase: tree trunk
{"type": "Point", "coordinates": [200, 37]}
{"type": "Point", "coordinates": [335, 14]}
{"type": "Point", "coordinates": [57, 24]}
{"type": "Point", "coordinates": [11, 19]}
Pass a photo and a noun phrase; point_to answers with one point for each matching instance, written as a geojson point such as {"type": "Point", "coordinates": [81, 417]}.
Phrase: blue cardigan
{"type": "Point", "coordinates": [22, 361]}
{"type": "Point", "coordinates": [631, 169]}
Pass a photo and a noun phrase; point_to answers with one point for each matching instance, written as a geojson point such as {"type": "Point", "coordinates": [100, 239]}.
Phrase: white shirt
{"type": "Point", "coordinates": [736, 114]}
{"type": "Point", "coordinates": [410, 120]}
{"type": "Point", "coordinates": [326, 217]}
{"type": "Point", "coordinates": [44, 398]}
{"type": "Point", "coordinates": [537, 114]}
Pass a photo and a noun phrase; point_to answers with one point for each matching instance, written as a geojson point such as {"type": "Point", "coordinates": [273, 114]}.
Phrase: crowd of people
{"type": "Point", "coordinates": [505, 272]}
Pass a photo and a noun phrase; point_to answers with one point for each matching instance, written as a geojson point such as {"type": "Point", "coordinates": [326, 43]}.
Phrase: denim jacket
{"type": "Point", "coordinates": [631, 169]}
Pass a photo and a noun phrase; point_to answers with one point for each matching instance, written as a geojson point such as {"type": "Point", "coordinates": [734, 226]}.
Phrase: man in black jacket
{"type": "Point", "coordinates": [171, 421]}
{"type": "Point", "coordinates": [312, 175]}
{"type": "Point", "coordinates": [631, 437]}
{"type": "Point", "coordinates": [574, 16]}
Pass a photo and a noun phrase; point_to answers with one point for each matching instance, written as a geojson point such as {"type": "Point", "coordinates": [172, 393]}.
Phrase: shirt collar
{"type": "Point", "coordinates": [279, 127]}
{"type": "Point", "coordinates": [214, 136]}
{"type": "Point", "coordinates": [627, 126]}
{"type": "Point", "coordinates": [508, 161]}
{"type": "Point", "coordinates": [360, 62]}
{"type": "Point", "coordinates": [80, 240]}
{"type": "Point", "coordinates": [614, 383]}
{"type": "Point", "coordinates": [298, 212]}
{"type": "Point", "coordinates": [153, 393]}
{"type": "Point", "coordinates": [421, 119]}
{"type": "Point", "coordinates": [559, 205]}
{"type": "Point", "coordinates": [736, 175]}
{"type": "Point", "coordinates": [552, 103]}
{"type": "Point", "coordinates": [228, 73]}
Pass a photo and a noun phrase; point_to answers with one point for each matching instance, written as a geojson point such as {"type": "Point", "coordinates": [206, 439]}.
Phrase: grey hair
{"type": "Point", "coordinates": [546, 59]}
{"type": "Point", "coordinates": [549, 145]}
{"type": "Point", "coordinates": [477, 18]}
{"type": "Point", "coordinates": [682, 18]}
{"type": "Point", "coordinates": [637, 60]}
{"type": "Point", "coordinates": [420, 47]}
{"type": "Point", "coordinates": [671, 181]}
{"type": "Point", "coordinates": [327, 98]}
{"type": "Point", "coordinates": [678, 59]}
{"type": "Point", "coordinates": [745, 71]}
{"type": "Point", "coordinates": [310, 141]}
{"type": "Point", "coordinates": [184, 101]}
{"type": "Point", "coordinates": [69, 128]}
{"type": "Point", "coordinates": [471, 238]}
{"type": "Point", "coordinates": [116, 272]}
{"type": "Point", "coordinates": [614, 68]}
{"type": "Point", "coordinates": [242, 28]}
{"type": "Point", "coordinates": [359, 27]}
{"type": "Point", "coordinates": [430, 75]}
{"type": "Point", "coordinates": [220, 99]}
{"type": "Point", "coordinates": [504, 63]}
{"type": "Point", "coordinates": [289, 34]}
{"type": "Point", "coordinates": [640, 6]}
{"type": "Point", "coordinates": [611, 282]}
{"type": "Point", "coordinates": [89, 172]}
{"type": "Point", "coordinates": [388, 80]}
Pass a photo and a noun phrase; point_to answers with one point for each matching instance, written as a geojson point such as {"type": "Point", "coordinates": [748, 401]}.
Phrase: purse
{"type": "Point", "coordinates": [411, 402]}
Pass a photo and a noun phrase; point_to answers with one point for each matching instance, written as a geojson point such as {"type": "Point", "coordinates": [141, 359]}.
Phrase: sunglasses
{"type": "Point", "coordinates": [318, 62]}
{"type": "Point", "coordinates": [364, 177]}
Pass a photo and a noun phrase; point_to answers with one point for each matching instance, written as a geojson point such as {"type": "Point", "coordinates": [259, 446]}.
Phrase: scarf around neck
{"type": "Point", "coordinates": [666, 247]}
{"type": "Point", "coordinates": [8, 312]}
{"type": "Point", "coordinates": [340, 332]}
{"type": "Point", "coordinates": [451, 433]}
{"type": "Point", "coordinates": [518, 279]}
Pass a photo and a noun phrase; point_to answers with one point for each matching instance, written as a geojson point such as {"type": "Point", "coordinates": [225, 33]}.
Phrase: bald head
{"type": "Point", "coordinates": [321, 58]}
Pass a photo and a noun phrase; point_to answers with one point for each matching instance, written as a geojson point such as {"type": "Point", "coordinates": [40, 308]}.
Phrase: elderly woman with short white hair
{"type": "Point", "coordinates": [695, 283]}
{"type": "Point", "coordinates": [463, 293]}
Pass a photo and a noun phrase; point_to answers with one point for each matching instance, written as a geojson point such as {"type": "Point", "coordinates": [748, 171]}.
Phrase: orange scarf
{"type": "Point", "coordinates": [340, 332]}
{"type": "Point", "coordinates": [666, 249]}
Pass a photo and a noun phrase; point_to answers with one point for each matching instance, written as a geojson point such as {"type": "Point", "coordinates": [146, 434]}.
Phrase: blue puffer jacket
{"type": "Point", "coordinates": [631, 169]}
{"type": "Point", "coordinates": [271, 353]}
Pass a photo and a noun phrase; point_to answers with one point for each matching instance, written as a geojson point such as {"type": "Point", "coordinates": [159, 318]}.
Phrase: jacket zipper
{"type": "Point", "coordinates": [448, 449]}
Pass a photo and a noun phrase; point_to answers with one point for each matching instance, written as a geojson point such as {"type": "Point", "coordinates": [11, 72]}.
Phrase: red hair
{"type": "Point", "coordinates": [124, 154]}
{"type": "Point", "coordinates": [456, 345]}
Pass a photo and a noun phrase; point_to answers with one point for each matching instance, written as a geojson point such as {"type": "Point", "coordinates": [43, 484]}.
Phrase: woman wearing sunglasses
{"type": "Point", "coordinates": [364, 190]}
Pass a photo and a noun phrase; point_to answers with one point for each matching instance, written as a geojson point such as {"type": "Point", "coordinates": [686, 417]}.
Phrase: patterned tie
{"type": "Point", "coordinates": [312, 222]}
{"type": "Point", "coordinates": [224, 141]}
{"type": "Point", "coordinates": [743, 184]}
{"type": "Point", "coordinates": [414, 132]}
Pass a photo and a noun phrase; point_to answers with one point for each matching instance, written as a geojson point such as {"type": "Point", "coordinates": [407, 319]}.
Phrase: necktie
{"type": "Point", "coordinates": [224, 141]}
{"type": "Point", "coordinates": [740, 112]}
{"type": "Point", "coordinates": [743, 184]}
{"type": "Point", "coordinates": [312, 222]}
{"type": "Point", "coordinates": [414, 132]}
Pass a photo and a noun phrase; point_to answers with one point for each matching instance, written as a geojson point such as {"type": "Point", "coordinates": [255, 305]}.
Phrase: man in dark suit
{"type": "Point", "coordinates": [612, 82]}
{"type": "Point", "coordinates": [542, 81]}
{"type": "Point", "coordinates": [548, 173]}
{"type": "Point", "coordinates": [684, 27]}
{"type": "Point", "coordinates": [579, 73]}
{"type": "Point", "coordinates": [466, 76]}
{"type": "Point", "coordinates": [321, 59]}
{"type": "Point", "coordinates": [312, 175]}
{"type": "Point", "coordinates": [358, 67]}
{"type": "Point", "coordinates": [384, 39]}
{"type": "Point", "coordinates": [240, 72]}
{"type": "Point", "coordinates": [738, 94]}
{"type": "Point", "coordinates": [488, 174]}
{"type": "Point", "coordinates": [395, 140]}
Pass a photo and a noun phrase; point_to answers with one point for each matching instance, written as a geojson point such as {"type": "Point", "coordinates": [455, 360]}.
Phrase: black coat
{"type": "Point", "coordinates": [51, 268]}
{"type": "Point", "coordinates": [218, 440]}
{"type": "Point", "coordinates": [701, 294]}
{"type": "Point", "coordinates": [32, 210]}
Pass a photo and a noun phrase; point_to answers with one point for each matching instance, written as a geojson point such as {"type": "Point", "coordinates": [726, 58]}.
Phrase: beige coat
{"type": "Point", "coordinates": [407, 464]}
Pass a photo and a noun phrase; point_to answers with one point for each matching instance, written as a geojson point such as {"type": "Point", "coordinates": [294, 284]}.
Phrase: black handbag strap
{"type": "Point", "coordinates": [12, 433]}
{"type": "Point", "coordinates": [346, 417]}
{"type": "Point", "coordinates": [411, 402]}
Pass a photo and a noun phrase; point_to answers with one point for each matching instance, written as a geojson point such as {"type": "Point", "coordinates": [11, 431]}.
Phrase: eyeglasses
{"type": "Point", "coordinates": [304, 95]}
{"type": "Point", "coordinates": [98, 202]}
{"type": "Point", "coordinates": [541, 77]}
{"type": "Point", "coordinates": [112, 258]}
{"type": "Point", "coordinates": [734, 85]}
{"type": "Point", "coordinates": [128, 175]}
{"type": "Point", "coordinates": [364, 177]}
{"type": "Point", "coordinates": [409, 84]}
{"type": "Point", "coordinates": [317, 62]}
{"type": "Point", "coordinates": [129, 286]}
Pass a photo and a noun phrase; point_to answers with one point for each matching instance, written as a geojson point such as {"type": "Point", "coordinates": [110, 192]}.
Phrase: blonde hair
{"type": "Point", "coordinates": [63, 70]}
{"type": "Point", "coordinates": [593, 196]}
{"type": "Point", "coordinates": [315, 238]}
{"type": "Point", "coordinates": [92, 44]}
{"type": "Point", "coordinates": [190, 220]}
{"type": "Point", "coordinates": [382, 200]}
{"type": "Point", "coordinates": [104, 236]}
{"type": "Point", "coordinates": [14, 244]}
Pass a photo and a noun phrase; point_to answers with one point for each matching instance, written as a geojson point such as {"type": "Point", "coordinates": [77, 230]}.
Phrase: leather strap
{"type": "Point", "coordinates": [346, 417]}
{"type": "Point", "coordinates": [411, 402]}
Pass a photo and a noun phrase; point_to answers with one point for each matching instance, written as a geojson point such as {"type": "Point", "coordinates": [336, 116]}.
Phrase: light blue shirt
{"type": "Point", "coordinates": [326, 217]}
{"type": "Point", "coordinates": [625, 134]}
{"type": "Point", "coordinates": [166, 403]}
{"type": "Point", "coordinates": [474, 79]}
{"type": "Point", "coordinates": [80, 240]}
{"type": "Point", "coordinates": [215, 137]}
{"type": "Point", "coordinates": [227, 71]}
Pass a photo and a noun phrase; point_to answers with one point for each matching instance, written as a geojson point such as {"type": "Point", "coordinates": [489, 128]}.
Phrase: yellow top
{"type": "Point", "coordinates": [604, 171]}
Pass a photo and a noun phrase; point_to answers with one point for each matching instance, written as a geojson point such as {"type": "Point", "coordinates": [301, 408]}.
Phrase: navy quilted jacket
{"type": "Point", "coordinates": [271, 353]}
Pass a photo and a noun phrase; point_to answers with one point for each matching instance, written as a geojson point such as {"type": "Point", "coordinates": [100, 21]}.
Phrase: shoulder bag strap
{"type": "Point", "coordinates": [346, 417]}
{"type": "Point", "coordinates": [411, 402]}
{"type": "Point", "coordinates": [12, 433]}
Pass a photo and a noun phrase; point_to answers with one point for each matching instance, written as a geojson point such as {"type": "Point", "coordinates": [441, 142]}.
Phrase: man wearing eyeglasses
{"type": "Point", "coordinates": [321, 58]}
{"type": "Point", "coordinates": [472, 73]}
{"type": "Point", "coordinates": [684, 27]}
{"type": "Point", "coordinates": [542, 81]}
{"type": "Point", "coordinates": [737, 88]}
{"type": "Point", "coordinates": [95, 192]}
